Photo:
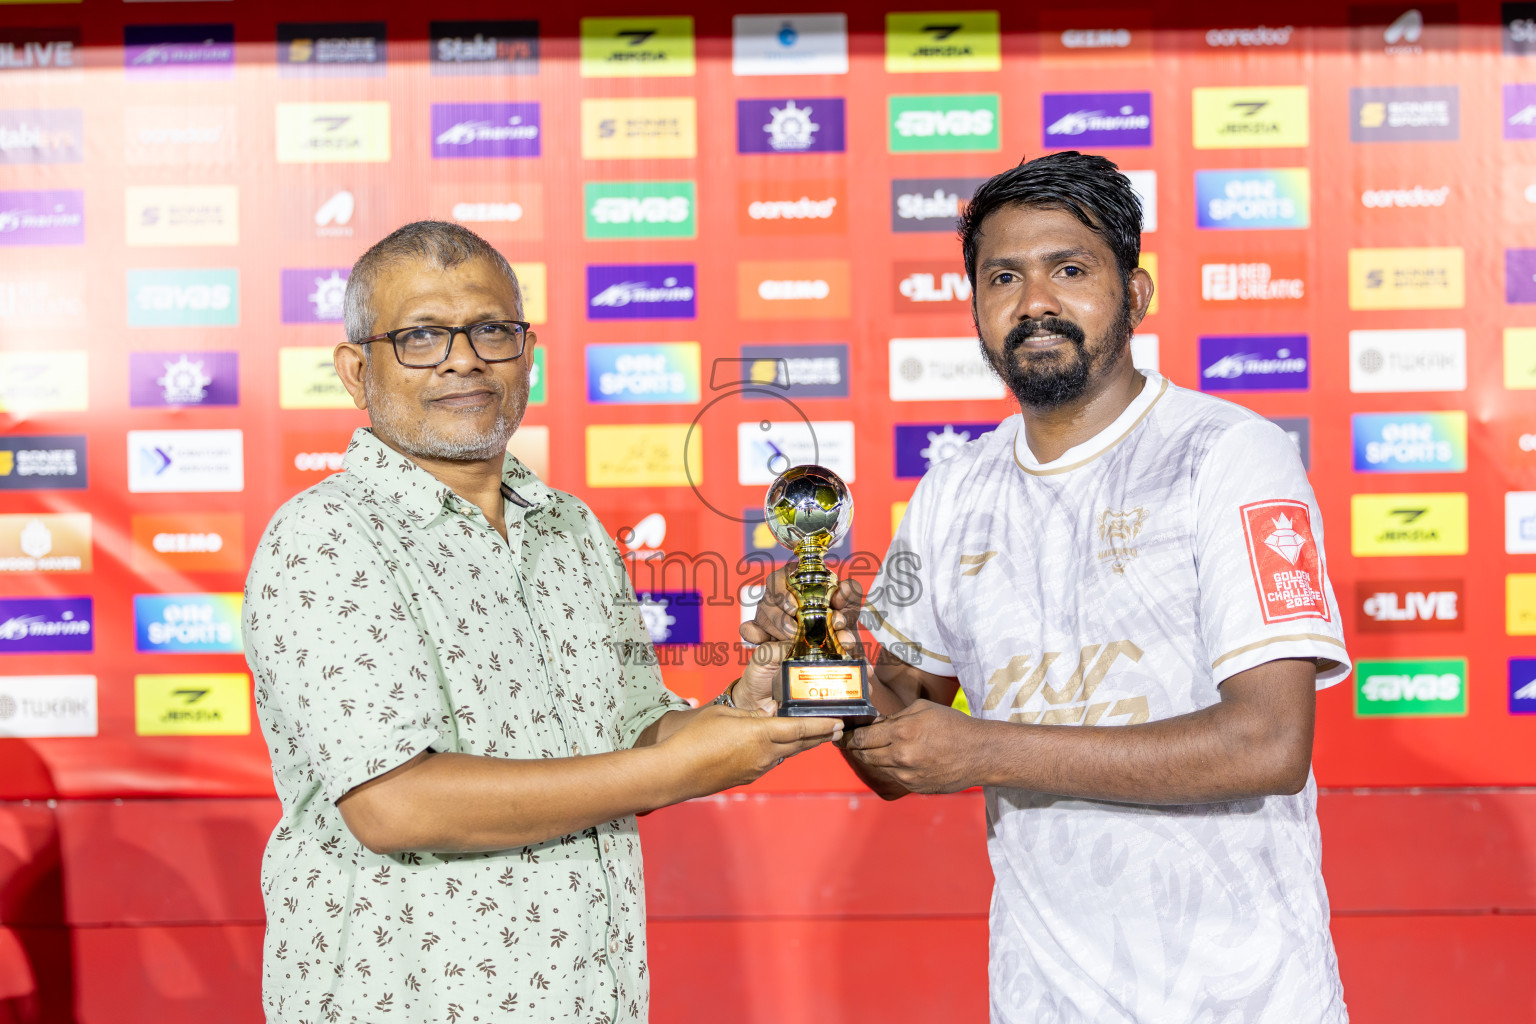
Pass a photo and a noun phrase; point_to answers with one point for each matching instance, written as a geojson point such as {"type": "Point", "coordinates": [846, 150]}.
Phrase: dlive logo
{"type": "Point", "coordinates": [1388, 606]}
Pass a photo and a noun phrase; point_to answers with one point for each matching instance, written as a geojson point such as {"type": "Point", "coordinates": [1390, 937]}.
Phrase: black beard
{"type": "Point", "coordinates": [1047, 382]}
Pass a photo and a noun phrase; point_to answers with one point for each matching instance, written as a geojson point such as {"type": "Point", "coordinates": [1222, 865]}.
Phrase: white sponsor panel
{"type": "Point", "coordinates": [1520, 522]}
{"type": "Point", "coordinates": [766, 448]}
{"type": "Point", "coordinates": [38, 706]}
{"type": "Point", "coordinates": [180, 461]}
{"type": "Point", "coordinates": [1144, 352]}
{"type": "Point", "coordinates": [941, 369]}
{"type": "Point", "coordinates": [789, 44]}
{"type": "Point", "coordinates": [1408, 360]}
{"type": "Point", "coordinates": [1145, 185]}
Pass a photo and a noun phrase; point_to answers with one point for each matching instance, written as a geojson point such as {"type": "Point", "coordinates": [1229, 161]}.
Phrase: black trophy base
{"type": "Point", "coordinates": [825, 689]}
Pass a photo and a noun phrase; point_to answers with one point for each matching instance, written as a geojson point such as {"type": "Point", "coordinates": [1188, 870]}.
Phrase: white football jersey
{"type": "Point", "coordinates": [1118, 584]}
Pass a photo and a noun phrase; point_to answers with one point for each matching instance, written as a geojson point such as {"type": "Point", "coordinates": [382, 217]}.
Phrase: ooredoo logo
{"type": "Point", "coordinates": [311, 456]}
{"type": "Point", "coordinates": [202, 542]}
{"type": "Point", "coordinates": [795, 206]}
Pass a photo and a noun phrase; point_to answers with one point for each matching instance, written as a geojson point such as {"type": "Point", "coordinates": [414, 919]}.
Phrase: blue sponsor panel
{"type": "Point", "coordinates": [1074, 120]}
{"type": "Point", "coordinates": [1522, 686]}
{"type": "Point", "coordinates": [1253, 199]}
{"type": "Point", "coordinates": [672, 616]}
{"type": "Point", "coordinates": [187, 623]}
{"type": "Point", "coordinates": [921, 446]}
{"type": "Point", "coordinates": [1410, 442]}
{"type": "Point", "coordinates": [798, 370]}
{"type": "Point", "coordinates": [46, 625]}
{"type": "Point", "coordinates": [641, 291]}
{"type": "Point", "coordinates": [1254, 362]}
{"type": "Point", "coordinates": [1299, 430]}
{"type": "Point", "coordinates": [666, 373]}
{"type": "Point", "coordinates": [42, 462]}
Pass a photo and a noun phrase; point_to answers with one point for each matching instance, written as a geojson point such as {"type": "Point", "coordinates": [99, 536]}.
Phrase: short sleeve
{"type": "Point", "coordinates": [1260, 560]}
{"type": "Point", "coordinates": [900, 610]}
{"type": "Point", "coordinates": [342, 669]}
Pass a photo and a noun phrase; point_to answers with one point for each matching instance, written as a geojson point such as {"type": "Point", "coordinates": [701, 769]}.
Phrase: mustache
{"type": "Point", "coordinates": [490, 386]}
{"type": "Point", "coordinates": [1026, 329]}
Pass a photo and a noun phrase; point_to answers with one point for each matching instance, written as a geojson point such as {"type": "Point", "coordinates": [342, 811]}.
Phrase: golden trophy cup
{"type": "Point", "coordinates": [809, 509]}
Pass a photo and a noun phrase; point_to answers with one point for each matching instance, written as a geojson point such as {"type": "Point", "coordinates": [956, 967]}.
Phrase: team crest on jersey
{"type": "Point", "coordinates": [1118, 529]}
{"type": "Point", "coordinates": [1287, 566]}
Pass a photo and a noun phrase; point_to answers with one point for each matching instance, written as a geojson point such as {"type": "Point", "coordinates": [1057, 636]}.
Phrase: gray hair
{"type": "Point", "coordinates": [437, 243]}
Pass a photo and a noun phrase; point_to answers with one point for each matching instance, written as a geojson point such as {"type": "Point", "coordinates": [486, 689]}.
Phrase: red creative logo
{"type": "Point", "coordinates": [1398, 606]}
{"type": "Point", "coordinates": [1287, 569]}
{"type": "Point", "coordinates": [1275, 279]}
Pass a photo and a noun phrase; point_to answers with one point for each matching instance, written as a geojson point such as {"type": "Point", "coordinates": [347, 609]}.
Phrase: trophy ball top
{"type": "Point", "coordinates": [808, 503]}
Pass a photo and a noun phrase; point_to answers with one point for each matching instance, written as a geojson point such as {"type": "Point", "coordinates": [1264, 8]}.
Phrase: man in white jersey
{"type": "Point", "coordinates": [1128, 582]}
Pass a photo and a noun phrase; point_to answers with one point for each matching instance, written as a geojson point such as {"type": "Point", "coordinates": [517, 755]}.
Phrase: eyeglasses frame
{"type": "Point", "coordinates": [453, 332]}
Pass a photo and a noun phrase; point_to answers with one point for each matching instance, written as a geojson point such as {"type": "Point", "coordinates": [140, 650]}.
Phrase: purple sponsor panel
{"type": "Point", "coordinates": [183, 378]}
{"type": "Point", "coordinates": [314, 296]}
{"type": "Point", "coordinates": [1255, 362]}
{"type": "Point", "coordinates": [1520, 275]}
{"type": "Point", "coordinates": [179, 51]}
{"type": "Point", "coordinates": [45, 625]}
{"type": "Point", "coordinates": [53, 217]}
{"type": "Point", "coordinates": [1075, 120]}
{"type": "Point", "coordinates": [799, 125]}
{"type": "Point", "coordinates": [1520, 111]}
{"type": "Point", "coordinates": [921, 446]}
{"type": "Point", "coordinates": [672, 616]}
{"type": "Point", "coordinates": [641, 291]}
{"type": "Point", "coordinates": [485, 130]}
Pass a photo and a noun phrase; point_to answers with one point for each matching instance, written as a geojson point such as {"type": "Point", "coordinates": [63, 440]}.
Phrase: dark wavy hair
{"type": "Point", "coordinates": [1090, 187]}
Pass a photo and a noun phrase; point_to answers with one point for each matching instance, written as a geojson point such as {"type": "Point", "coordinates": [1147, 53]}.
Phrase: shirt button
{"type": "Point", "coordinates": [607, 846]}
{"type": "Point", "coordinates": [575, 749]}
{"type": "Point", "coordinates": [613, 947]}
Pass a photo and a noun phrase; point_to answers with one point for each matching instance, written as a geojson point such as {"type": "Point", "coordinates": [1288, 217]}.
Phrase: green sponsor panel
{"type": "Point", "coordinates": [640, 209]}
{"type": "Point", "coordinates": [538, 389]}
{"type": "Point", "coordinates": [1403, 687]}
{"type": "Point", "coordinates": [959, 123]}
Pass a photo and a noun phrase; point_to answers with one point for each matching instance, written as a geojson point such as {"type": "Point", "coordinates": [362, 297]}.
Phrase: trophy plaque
{"type": "Point", "coordinates": [809, 509]}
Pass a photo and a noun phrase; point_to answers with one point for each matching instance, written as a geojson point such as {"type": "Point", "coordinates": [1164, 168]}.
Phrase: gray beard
{"type": "Point", "coordinates": [390, 418]}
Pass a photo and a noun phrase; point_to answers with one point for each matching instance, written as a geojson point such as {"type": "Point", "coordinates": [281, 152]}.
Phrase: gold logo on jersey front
{"type": "Point", "coordinates": [1118, 529]}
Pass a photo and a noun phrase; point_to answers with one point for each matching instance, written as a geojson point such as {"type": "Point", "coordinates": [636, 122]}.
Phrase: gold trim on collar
{"type": "Point", "coordinates": [1077, 465]}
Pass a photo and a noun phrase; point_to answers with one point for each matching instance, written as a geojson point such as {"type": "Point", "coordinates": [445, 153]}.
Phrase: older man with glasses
{"type": "Point", "coordinates": [459, 694]}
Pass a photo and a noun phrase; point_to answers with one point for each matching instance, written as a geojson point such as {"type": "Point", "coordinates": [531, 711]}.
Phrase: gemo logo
{"type": "Point", "coordinates": [182, 543]}
{"type": "Point", "coordinates": [1096, 38]}
{"type": "Point", "coordinates": [487, 213]}
{"type": "Point", "coordinates": [778, 291]}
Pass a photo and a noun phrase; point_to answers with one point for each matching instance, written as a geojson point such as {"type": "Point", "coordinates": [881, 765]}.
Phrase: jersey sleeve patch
{"type": "Point", "coordinates": [1287, 566]}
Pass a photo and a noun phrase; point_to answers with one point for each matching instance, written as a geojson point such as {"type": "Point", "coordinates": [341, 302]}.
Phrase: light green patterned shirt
{"type": "Point", "coordinates": [384, 616]}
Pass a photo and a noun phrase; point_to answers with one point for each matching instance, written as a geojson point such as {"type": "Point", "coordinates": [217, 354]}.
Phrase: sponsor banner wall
{"type": "Point", "coordinates": [734, 235]}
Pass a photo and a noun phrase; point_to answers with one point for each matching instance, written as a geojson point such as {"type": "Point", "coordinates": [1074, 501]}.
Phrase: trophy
{"type": "Point", "coordinates": [809, 509]}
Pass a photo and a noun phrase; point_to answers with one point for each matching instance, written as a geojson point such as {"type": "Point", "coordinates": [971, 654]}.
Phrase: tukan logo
{"type": "Point", "coordinates": [1267, 117]}
{"type": "Point", "coordinates": [54, 217]}
{"type": "Point", "coordinates": [792, 206]}
{"type": "Point", "coordinates": [1522, 684]}
{"type": "Point", "coordinates": [1423, 359]}
{"type": "Point", "coordinates": [921, 446]}
{"type": "Point", "coordinates": [182, 461]}
{"type": "Point", "coordinates": [1419, 113]}
{"type": "Point", "coordinates": [45, 625]}
{"type": "Point", "coordinates": [639, 129]}
{"type": "Point", "coordinates": [1238, 200]}
{"type": "Point", "coordinates": [201, 542]}
{"type": "Point", "coordinates": [1407, 278]}
{"type": "Point", "coordinates": [314, 296]}
{"type": "Point", "coordinates": [1408, 524]}
{"type": "Point", "coordinates": [41, 542]}
{"type": "Point", "coordinates": [163, 52]}
{"type": "Point", "coordinates": [793, 289]}
{"type": "Point", "coordinates": [485, 130]}
{"type": "Point", "coordinates": [160, 379]}
{"type": "Point", "coordinates": [41, 49]}
{"type": "Point", "coordinates": [1286, 562]}
{"type": "Point", "coordinates": [798, 370]}
{"type": "Point", "coordinates": [484, 47]}
{"type": "Point", "coordinates": [932, 286]}
{"type": "Point", "coordinates": [42, 462]}
{"type": "Point", "coordinates": [930, 204]}
{"type": "Point", "coordinates": [789, 44]}
{"type": "Point", "coordinates": [333, 133]}
{"type": "Point", "coordinates": [184, 298]}
{"type": "Point", "coordinates": [797, 125]}
{"type": "Point", "coordinates": [1422, 606]}
{"type": "Point", "coordinates": [187, 623]}
{"type": "Point", "coordinates": [1278, 282]}
{"type": "Point", "coordinates": [1254, 362]}
{"type": "Point", "coordinates": [938, 123]}
{"type": "Point", "coordinates": [641, 291]}
{"type": "Point", "coordinates": [942, 41]}
{"type": "Point", "coordinates": [666, 373]}
{"type": "Point", "coordinates": [637, 47]}
{"type": "Point", "coordinates": [1417, 688]}
{"type": "Point", "coordinates": [640, 209]}
{"type": "Point", "coordinates": [672, 616]}
{"type": "Point", "coordinates": [42, 136]}
{"type": "Point", "coordinates": [36, 706]}
{"type": "Point", "coordinates": [1082, 119]}
{"type": "Point", "coordinates": [1410, 442]}
{"type": "Point", "coordinates": [334, 49]}
{"type": "Point", "coordinates": [940, 369]}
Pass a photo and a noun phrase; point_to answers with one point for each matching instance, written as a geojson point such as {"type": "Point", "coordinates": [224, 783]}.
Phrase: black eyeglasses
{"type": "Point", "coordinates": [426, 345]}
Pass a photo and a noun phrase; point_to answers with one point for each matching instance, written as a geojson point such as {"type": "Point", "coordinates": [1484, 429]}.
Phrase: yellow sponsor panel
{"type": "Point", "coordinates": [1520, 358]}
{"type": "Point", "coordinates": [183, 215]}
{"type": "Point", "coordinates": [646, 455]}
{"type": "Point", "coordinates": [942, 41]}
{"type": "Point", "coordinates": [1433, 278]}
{"type": "Point", "coordinates": [45, 542]}
{"type": "Point", "coordinates": [1408, 524]}
{"type": "Point", "coordinates": [533, 279]}
{"type": "Point", "coordinates": [306, 379]}
{"type": "Point", "coordinates": [1267, 117]}
{"type": "Point", "coordinates": [333, 133]}
{"type": "Point", "coordinates": [898, 510]}
{"type": "Point", "coordinates": [639, 129]}
{"type": "Point", "coordinates": [1149, 264]}
{"type": "Point", "coordinates": [1520, 604]}
{"type": "Point", "coordinates": [33, 381]}
{"type": "Point", "coordinates": [636, 47]}
{"type": "Point", "coordinates": [205, 704]}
